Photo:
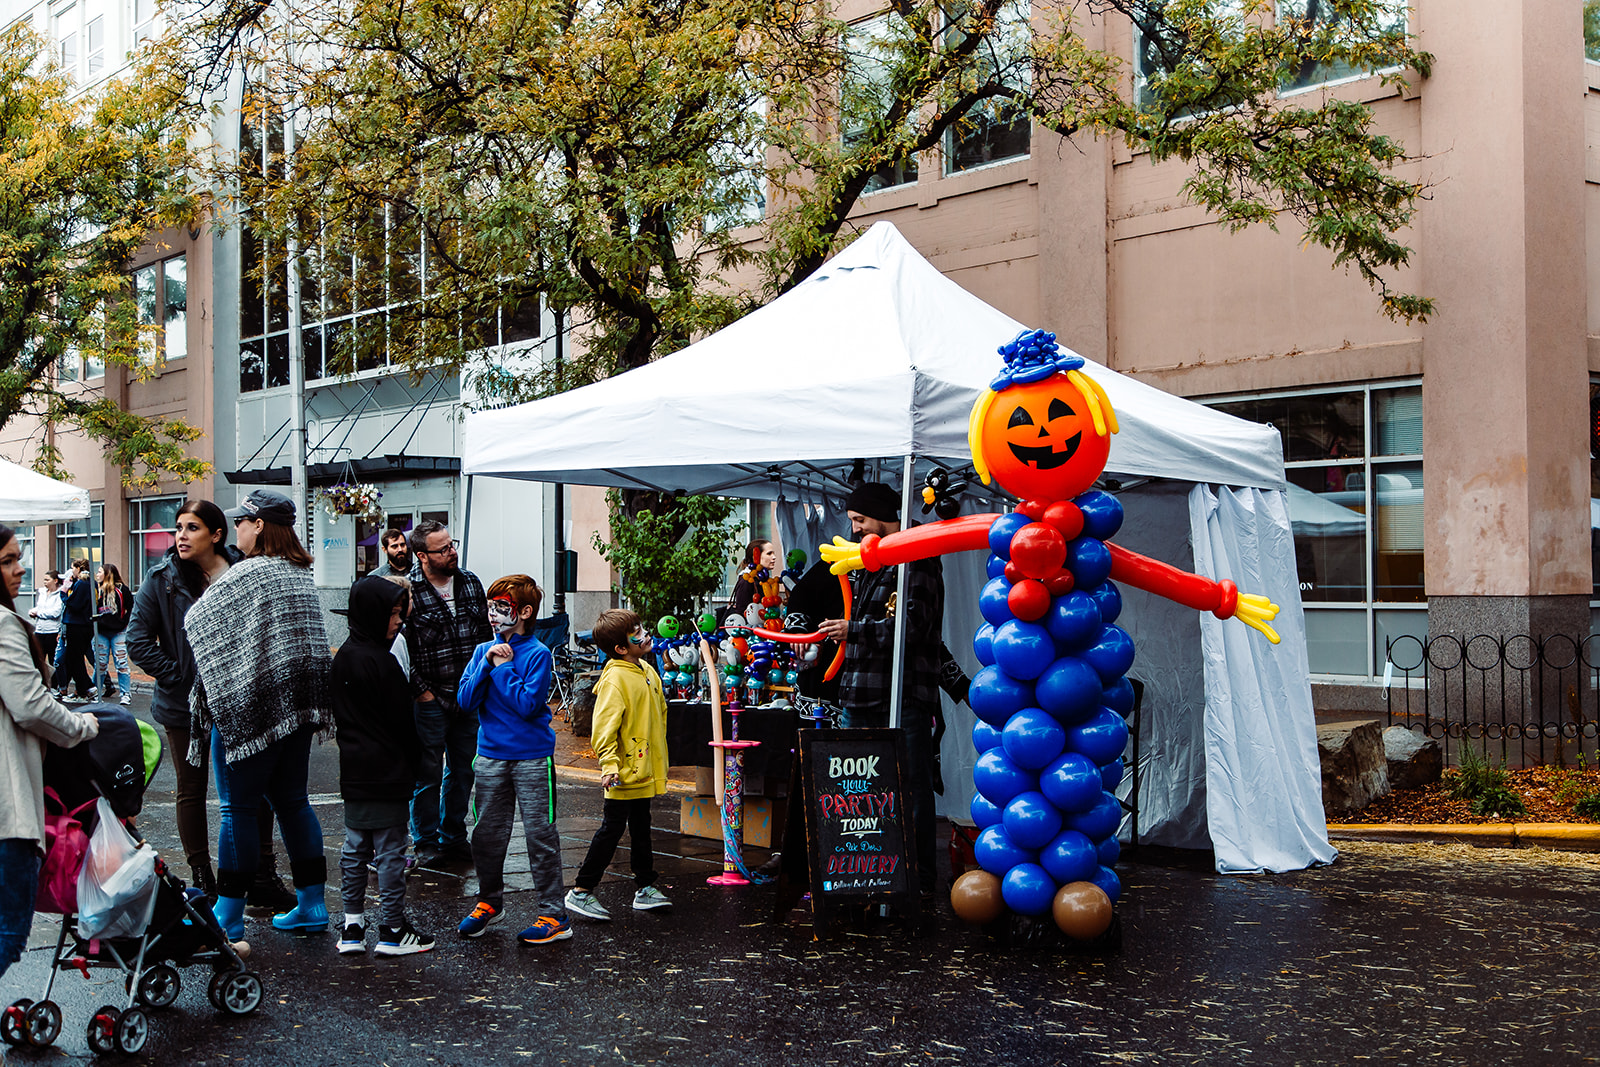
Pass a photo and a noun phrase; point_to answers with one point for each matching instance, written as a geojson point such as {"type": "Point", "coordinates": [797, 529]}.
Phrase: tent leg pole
{"type": "Point", "coordinates": [466, 520]}
{"type": "Point", "coordinates": [898, 674]}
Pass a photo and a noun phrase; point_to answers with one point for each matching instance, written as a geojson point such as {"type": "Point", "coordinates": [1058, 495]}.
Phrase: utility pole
{"type": "Point", "coordinates": [297, 366]}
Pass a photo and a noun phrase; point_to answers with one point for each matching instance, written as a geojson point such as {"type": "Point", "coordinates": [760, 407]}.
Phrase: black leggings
{"type": "Point", "coordinates": [74, 662]}
{"type": "Point", "coordinates": [619, 815]}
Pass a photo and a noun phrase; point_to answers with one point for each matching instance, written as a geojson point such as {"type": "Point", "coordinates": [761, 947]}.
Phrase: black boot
{"type": "Point", "coordinates": [204, 880]}
{"type": "Point", "coordinates": [269, 892]}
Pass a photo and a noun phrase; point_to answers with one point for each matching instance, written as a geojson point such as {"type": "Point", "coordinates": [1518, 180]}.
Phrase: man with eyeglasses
{"type": "Point", "coordinates": [449, 619]}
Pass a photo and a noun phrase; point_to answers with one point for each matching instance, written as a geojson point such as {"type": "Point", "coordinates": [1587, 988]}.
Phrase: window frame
{"type": "Point", "coordinates": [138, 529]}
{"type": "Point", "coordinates": [947, 147]}
{"type": "Point", "coordinates": [94, 538]}
{"type": "Point", "coordinates": [1343, 79]}
{"type": "Point", "coordinates": [909, 174]}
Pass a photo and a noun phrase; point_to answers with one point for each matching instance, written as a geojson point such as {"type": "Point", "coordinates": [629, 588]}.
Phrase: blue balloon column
{"type": "Point", "coordinates": [1050, 698]}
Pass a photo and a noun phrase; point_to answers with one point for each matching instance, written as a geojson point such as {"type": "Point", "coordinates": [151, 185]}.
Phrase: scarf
{"type": "Point", "coordinates": [261, 658]}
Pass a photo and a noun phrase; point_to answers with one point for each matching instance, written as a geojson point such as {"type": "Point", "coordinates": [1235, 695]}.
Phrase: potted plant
{"type": "Point", "coordinates": [353, 498]}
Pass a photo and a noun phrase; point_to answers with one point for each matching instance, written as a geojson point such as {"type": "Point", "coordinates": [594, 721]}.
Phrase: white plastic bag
{"type": "Point", "coordinates": [117, 883]}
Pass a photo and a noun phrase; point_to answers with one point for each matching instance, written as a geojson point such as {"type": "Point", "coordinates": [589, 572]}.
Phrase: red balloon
{"type": "Point", "coordinates": [771, 601]}
{"type": "Point", "coordinates": [1028, 600]}
{"type": "Point", "coordinates": [1038, 550]}
{"type": "Point", "coordinates": [1034, 509]}
{"type": "Point", "coordinates": [1065, 516]}
{"type": "Point", "coordinates": [1060, 582]}
{"type": "Point", "coordinates": [1014, 574]}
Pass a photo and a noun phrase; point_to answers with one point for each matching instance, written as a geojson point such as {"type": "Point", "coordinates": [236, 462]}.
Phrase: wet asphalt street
{"type": "Point", "coordinates": [1394, 954]}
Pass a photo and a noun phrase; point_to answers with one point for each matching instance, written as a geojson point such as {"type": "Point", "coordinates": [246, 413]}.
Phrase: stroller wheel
{"type": "Point", "coordinates": [132, 1031]}
{"type": "Point", "coordinates": [11, 1022]}
{"type": "Point", "coordinates": [237, 992]}
{"type": "Point", "coordinates": [41, 1024]}
{"type": "Point", "coordinates": [102, 1027]}
{"type": "Point", "coordinates": [158, 986]}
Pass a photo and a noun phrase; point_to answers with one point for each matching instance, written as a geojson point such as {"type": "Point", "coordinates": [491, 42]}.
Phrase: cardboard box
{"type": "Point", "coordinates": [763, 819]}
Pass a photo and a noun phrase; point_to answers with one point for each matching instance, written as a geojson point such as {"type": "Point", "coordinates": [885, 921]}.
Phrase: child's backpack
{"type": "Point", "coordinates": [66, 842]}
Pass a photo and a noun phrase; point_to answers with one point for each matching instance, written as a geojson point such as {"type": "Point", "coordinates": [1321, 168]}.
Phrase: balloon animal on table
{"type": "Point", "coordinates": [1053, 693]}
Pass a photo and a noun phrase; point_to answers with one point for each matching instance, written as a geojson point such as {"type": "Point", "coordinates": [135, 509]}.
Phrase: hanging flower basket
{"type": "Point", "coordinates": [353, 498]}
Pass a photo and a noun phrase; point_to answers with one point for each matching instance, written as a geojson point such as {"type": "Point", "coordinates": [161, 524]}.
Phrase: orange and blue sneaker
{"type": "Point", "coordinates": [483, 916]}
{"type": "Point", "coordinates": [547, 928]}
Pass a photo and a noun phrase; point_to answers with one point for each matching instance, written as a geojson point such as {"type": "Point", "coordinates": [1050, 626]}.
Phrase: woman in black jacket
{"type": "Point", "coordinates": [78, 626]}
{"type": "Point", "coordinates": [157, 643]}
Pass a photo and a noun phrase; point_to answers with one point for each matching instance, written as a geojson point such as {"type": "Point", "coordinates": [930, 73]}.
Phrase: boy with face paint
{"type": "Point", "coordinates": [507, 683]}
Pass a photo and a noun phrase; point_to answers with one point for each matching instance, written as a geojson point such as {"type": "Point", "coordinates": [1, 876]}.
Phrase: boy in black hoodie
{"type": "Point", "coordinates": [379, 755]}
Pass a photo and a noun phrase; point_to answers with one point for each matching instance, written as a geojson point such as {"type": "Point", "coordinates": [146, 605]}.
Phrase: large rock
{"type": "Point", "coordinates": [1414, 759]}
{"type": "Point", "coordinates": [581, 706]}
{"type": "Point", "coordinates": [1354, 769]}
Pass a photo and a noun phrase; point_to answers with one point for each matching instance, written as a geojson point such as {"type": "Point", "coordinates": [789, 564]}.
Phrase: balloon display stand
{"type": "Point", "coordinates": [732, 810]}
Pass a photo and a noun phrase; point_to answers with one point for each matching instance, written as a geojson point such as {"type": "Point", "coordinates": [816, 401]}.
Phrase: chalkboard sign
{"type": "Point", "coordinates": [857, 823]}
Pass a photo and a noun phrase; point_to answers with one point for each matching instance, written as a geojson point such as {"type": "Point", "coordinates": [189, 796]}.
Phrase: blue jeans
{"type": "Point", "coordinates": [449, 739]}
{"type": "Point", "coordinates": [19, 885]}
{"type": "Point", "coordinates": [504, 786]}
{"type": "Point", "coordinates": [279, 775]}
{"type": "Point", "coordinates": [109, 648]}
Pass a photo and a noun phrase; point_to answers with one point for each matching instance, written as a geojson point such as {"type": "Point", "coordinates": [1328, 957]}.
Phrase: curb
{"type": "Point", "coordinates": [592, 776]}
{"type": "Point", "coordinates": [1571, 837]}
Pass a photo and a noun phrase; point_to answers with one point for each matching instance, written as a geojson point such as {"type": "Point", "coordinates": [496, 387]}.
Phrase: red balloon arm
{"type": "Point", "coordinates": [1163, 579]}
{"type": "Point", "coordinates": [965, 534]}
{"type": "Point", "coordinates": [838, 657]}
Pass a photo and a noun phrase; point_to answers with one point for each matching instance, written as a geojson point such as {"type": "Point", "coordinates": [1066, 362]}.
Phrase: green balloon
{"type": "Point", "coordinates": [668, 626]}
{"type": "Point", "coordinates": [796, 558]}
{"type": "Point", "coordinates": [708, 622]}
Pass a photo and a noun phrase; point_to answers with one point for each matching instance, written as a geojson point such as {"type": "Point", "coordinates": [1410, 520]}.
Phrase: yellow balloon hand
{"type": "Point", "coordinates": [1255, 610]}
{"type": "Point", "coordinates": [845, 556]}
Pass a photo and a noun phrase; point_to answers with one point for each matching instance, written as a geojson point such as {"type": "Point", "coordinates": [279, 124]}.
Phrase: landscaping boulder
{"type": "Point", "coordinates": [581, 706]}
{"type": "Point", "coordinates": [1354, 769]}
{"type": "Point", "coordinates": [1414, 759]}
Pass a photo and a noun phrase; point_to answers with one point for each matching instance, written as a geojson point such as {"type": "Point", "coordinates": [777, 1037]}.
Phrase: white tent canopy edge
{"type": "Point", "coordinates": [28, 498]}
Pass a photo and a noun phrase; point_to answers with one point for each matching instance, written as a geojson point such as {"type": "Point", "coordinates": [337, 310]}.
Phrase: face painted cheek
{"type": "Point", "coordinates": [501, 621]}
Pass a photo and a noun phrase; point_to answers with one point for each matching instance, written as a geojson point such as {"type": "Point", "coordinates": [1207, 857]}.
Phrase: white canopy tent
{"type": "Point", "coordinates": [877, 354]}
{"type": "Point", "coordinates": [28, 498]}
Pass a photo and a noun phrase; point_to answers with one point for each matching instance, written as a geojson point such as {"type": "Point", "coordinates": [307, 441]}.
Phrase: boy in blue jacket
{"type": "Point", "coordinates": [507, 683]}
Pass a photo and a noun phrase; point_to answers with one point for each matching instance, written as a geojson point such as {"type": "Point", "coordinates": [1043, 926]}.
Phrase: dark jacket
{"type": "Point", "coordinates": [79, 609]}
{"type": "Point", "coordinates": [156, 641]}
{"type": "Point", "coordinates": [112, 612]}
{"type": "Point", "coordinates": [379, 754]}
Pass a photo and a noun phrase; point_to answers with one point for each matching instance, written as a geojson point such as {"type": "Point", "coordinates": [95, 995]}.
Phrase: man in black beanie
{"type": "Point", "coordinates": [866, 679]}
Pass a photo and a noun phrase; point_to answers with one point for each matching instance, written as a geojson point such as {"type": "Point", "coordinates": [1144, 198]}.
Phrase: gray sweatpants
{"type": "Point", "coordinates": [504, 787]}
{"type": "Point", "coordinates": [388, 845]}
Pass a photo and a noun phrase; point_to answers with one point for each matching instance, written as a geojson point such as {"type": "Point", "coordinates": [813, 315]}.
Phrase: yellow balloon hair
{"type": "Point", "coordinates": [1096, 398]}
{"type": "Point", "coordinates": [975, 433]}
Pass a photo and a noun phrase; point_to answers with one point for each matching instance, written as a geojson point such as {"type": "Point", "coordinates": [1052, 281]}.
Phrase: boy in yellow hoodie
{"type": "Point", "coordinates": [630, 739]}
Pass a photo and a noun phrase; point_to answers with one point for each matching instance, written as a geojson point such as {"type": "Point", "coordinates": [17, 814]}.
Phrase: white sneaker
{"type": "Point", "coordinates": [583, 903]}
{"type": "Point", "coordinates": [402, 940]}
{"type": "Point", "coordinates": [127, 699]}
{"type": "Point", "coordinates": [649, 898]}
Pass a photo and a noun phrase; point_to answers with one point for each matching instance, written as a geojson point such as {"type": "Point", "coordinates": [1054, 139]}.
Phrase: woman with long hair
{"type": "Point", "coordinates": [156, 641]}
{"type": "Point", "coordinates": [77, 632]}
{"type": "Point", "coordinates": [46, 613]}
{"type": "Point", "coordinates": [262, 691]}
{"type": "Point", "coordinates": [759, 572]}
{"type": "Point", "coordinates": [113, 605]}
{"type": "Point", "coordinates": [31, 717]}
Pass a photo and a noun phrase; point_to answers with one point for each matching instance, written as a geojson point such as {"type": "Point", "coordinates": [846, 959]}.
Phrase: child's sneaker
{"type": "Point", "coordinates": [649, 898]}
{"type": "Point", "coordinates": [353, 940]}
{"type": "Point", "coordinates": [583, 902]}
{"type": "Point", "coordinates": [547, 928]}
{"type": "Point", "coordinates": [402, 941]}
{"type": "Point", "coordinates": [483, 916]}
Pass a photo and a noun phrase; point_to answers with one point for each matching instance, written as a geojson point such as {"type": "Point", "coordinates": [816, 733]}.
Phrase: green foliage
{"type": "Point", "coordinates": [670, 552]}
{"type": "Point", "coordinates": [1498, 800]}
{"type": "Point", "coordinates": [1588, 807]}
{"type": "Point", "coordinates": [597, 155]}
{"type": "Point", "coordinates": [84, 181]}
{"type": "Point", "coordinates": [1591, 29]}
{"type": "Point", "coordinates": [1485, 785]}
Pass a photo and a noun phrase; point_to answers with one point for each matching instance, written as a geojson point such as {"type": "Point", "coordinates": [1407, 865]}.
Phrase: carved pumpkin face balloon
{"type": "Point", "coordinates": [1043, 440]}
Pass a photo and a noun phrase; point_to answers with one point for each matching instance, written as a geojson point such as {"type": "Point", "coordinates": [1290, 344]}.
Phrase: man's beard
{"type": "Point", "coordinates": [400, 561]}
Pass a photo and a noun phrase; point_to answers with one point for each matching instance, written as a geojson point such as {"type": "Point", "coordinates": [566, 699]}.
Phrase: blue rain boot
{"type": "Point", "coordinates": [310, 915]}
{"type": "Point", "coordinates": [230, 916]}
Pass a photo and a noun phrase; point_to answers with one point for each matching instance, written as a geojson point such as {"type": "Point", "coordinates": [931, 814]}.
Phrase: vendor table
{"type": "Point", "coordinates": [689, 736]}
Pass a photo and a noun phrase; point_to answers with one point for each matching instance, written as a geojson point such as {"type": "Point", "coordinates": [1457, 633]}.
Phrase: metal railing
{"type": "Point", "coordinates": [1533, 698]}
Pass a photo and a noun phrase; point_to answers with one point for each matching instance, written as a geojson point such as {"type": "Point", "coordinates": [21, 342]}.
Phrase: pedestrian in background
{"type": "Point", "coordinates": [78, 627]}
{"type": "Point", "coordinates": [46, 613]}
{"type": "Point", "coordinates": [158, 644]}
{"type": "Point", "coordinates": [113, 606]}
{"type": "Point", "coordinates": [449, 620]}
{"type": "Point", "coordinates": [630, 741]}
{"type": "Point", "coordinates": [262, 691]}
{"type": "Point", "coordinates": [397, 559]}
{"type": "Point", "coordinates": [31, 717]}
{"type": "Point", "coordinates": [378, 759]}
{"type": "Point", "coordinates": [507, 685]}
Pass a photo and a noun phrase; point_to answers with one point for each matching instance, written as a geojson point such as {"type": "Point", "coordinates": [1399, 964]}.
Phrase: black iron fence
{"type": "Point", "coordinates": [1526, 700]}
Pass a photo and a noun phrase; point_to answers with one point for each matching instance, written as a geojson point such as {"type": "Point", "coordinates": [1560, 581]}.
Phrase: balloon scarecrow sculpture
{"type": "Point", "coordinates": [1052, 695]}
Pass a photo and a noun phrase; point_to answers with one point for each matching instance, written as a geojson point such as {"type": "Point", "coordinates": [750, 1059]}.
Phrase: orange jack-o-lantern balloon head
{"type": "Point", "coordinates": [1043, 428]}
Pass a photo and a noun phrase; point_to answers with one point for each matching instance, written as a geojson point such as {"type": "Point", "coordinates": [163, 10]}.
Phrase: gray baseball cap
{"type": "Point", "coordinates": [268, 505]}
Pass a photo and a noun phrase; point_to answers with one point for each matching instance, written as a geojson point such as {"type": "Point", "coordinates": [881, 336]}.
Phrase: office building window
{"type": "Point", "coordinates": [867, 94]}
{"type": "Point", "coordinates": [162, 292]}
{"type": "Point", "coordinates": [1353, 458]}
{"type": "Point", "coordinates": [84, 538]}
{"type": "Point", "coordinates": [997, 128]}
{"type": "Point", "coordinates": [1316, 14]}
{"type": "Point", "coordinates": [152, 529]}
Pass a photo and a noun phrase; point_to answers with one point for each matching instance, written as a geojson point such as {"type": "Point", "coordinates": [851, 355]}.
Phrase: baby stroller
{"type": "Point", "coordinates": [177, 929]}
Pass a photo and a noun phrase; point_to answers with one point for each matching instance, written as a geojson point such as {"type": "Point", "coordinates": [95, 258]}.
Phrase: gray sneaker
{"type": "Point", "coordinates": [583, 903]}
{"type": "Point", "coordinates": [649, 898]}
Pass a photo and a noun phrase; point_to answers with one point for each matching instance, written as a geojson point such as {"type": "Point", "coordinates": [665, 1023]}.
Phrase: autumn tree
{"type": "Point", "coordinates": [84, 181]}
{"type": "Point", "coordinates": [602, 155]}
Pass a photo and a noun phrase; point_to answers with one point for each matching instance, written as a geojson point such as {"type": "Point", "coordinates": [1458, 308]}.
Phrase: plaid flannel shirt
{"type": "Point", "coordinates": [867, 676]}
{"type": "Point", "coordinates": [441, 641]}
